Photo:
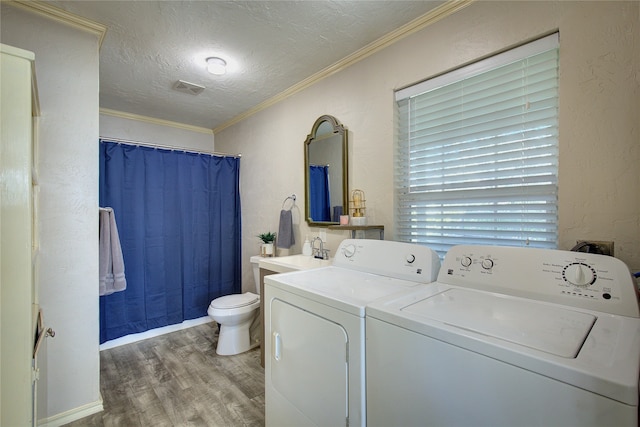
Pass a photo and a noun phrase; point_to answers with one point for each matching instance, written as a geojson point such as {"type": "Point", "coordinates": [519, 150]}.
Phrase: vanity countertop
{"type": "Point", "coordinates": [285, 264]}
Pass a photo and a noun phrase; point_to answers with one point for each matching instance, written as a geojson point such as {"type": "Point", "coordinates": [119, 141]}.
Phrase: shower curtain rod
{"type": "Point", "coordinates": [166, 147]}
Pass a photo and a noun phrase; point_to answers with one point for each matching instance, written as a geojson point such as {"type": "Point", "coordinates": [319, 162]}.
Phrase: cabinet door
{"type": "Point", "coordinates": [309, 365]}
{"type": "Point", "coordinates": [16, 292]}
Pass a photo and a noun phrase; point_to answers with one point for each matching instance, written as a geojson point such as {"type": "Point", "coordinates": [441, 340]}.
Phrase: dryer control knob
{"type": "Point", "coordinates": [411, 258]}
{"type": "Point", "coordinates": [349, 251]}
{"type": "Point", "coordinates": [465, 261]}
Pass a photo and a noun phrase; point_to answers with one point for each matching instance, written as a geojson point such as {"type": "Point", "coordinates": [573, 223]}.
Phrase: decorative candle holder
{"type": "Point", "coordinates": [357, 208]}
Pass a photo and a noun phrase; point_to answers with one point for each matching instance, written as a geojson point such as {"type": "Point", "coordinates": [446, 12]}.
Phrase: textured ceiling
{"type": "Point", "coordinates": [269, 45]}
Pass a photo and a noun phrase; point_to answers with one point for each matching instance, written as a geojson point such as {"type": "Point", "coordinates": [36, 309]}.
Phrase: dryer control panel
{"type": "Point", "coordinates": [387, 258]}
{"type": "Point", "coordinates": [590, 281]}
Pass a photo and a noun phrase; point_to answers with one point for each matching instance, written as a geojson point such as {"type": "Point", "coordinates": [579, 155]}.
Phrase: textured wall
{"type": "Point", "coordinates": [599, 119]}
{"type": "Point", "coordinates": [67, 75]}
{"type": "Point", "coordinates": [136, 130]}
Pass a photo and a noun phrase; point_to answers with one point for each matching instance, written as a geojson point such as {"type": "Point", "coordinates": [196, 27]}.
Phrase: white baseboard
{"type": "Point", "coordinates": [72, 414]}
{"type": "Point", "coordinates": [128, 339]}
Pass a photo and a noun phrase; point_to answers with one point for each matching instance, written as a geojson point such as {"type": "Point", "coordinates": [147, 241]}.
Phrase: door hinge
{"type": "Point", "coordinates": [35, 374]}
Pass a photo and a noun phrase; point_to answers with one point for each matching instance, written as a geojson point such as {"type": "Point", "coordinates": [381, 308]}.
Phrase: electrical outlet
{"type": "Point", "coordinates": [596, 246]}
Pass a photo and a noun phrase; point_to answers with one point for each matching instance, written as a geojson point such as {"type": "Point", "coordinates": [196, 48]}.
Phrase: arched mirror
{"type": "Point", "coordinates": [325, 176]}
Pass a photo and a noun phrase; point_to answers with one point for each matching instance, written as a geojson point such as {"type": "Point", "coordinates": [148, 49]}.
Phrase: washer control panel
{"type": "Point", "coordinates": [595, 282]}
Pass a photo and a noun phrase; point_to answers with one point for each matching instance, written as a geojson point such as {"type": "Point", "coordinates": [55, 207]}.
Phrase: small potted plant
{"type": "Point", "coordinates": [267, 243]}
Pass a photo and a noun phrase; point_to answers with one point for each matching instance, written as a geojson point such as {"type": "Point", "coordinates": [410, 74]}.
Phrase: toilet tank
{"type": "Point", "coordinates": [255, 266]}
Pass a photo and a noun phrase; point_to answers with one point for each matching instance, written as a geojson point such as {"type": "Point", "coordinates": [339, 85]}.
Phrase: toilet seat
{"type": "Point", "coordinates": [234, 301]}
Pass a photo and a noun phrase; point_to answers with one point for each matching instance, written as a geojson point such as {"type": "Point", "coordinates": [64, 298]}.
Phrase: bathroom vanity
{"type": "Point", "coordinates": [285, 264]}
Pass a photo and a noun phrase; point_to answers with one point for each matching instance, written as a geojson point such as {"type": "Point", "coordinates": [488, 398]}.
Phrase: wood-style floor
{"type": "Point", "coordinates": [177, 379]}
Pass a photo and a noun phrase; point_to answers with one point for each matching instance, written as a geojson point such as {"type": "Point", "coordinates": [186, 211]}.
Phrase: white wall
{"type": "Point", "coordinates": [155, 132]}
{"type": "Point", "coordinates": [599, 119]}
{"type": "Point", "coordinates": [67, 75]}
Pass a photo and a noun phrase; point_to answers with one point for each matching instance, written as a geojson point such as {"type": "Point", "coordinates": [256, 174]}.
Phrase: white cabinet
{"type": "Point", "coordinates": [17, 292]}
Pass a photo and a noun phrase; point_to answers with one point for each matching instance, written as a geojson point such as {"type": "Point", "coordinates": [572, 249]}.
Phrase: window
{"type": "Point", "coordinates": [477, 153]}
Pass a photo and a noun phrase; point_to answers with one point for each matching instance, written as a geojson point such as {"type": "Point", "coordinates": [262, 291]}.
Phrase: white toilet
{"type": "Point", "coordinates": [239, 318]}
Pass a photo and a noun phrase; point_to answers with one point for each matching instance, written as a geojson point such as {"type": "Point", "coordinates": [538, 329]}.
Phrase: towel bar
{"type": "Point", "coordinates": [292, 197]}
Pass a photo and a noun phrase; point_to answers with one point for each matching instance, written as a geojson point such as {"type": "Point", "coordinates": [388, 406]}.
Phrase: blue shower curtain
{"type": "Point", "coordinates": [178, 217]}
{"type": "Point", "coordinates": [320, 206]}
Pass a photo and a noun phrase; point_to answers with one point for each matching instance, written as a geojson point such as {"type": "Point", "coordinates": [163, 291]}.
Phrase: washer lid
{"type": "Point", "coordinates": [235, 300]}
{"type": "Point", "coordinates": [550, 329]}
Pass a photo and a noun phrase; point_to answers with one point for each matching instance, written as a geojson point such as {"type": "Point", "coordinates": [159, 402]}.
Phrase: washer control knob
{"type": "Point", "coordinates": [579, 274]}
{"type": "Point", "coordinates": [465, 261]}
{"type": "Point", "coordinates": [487, 264]}
{"type": "Point", "coordinates": [411, 258]}
{"type": "Point", "coordinates": [349, 250]}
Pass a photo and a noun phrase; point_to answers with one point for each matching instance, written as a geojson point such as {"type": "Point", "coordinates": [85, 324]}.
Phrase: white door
{"type": "Point", "coordinates": [309, 366]}
{"type": "Point", "coordinates": [16, 284]}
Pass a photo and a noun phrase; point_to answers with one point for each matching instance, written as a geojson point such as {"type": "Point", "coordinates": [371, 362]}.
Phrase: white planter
{"type": "Point", "coordinates": [266, 249]}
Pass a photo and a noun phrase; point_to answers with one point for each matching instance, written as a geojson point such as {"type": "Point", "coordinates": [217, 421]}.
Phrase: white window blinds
{"type": "Point", "coordinates": [477, 153]}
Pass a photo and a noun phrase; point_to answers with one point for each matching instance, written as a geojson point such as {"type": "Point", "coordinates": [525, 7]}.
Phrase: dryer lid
{"type": "Point", "coordinates": [235, 300]}
{"type": "Point", "coordinates": [535, 325]}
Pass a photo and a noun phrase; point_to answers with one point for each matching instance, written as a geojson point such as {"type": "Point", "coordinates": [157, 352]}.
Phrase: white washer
{"type": "Point", "coordinates": [314, 330]}
{"type": "Point", "coordinates": [508, 337]}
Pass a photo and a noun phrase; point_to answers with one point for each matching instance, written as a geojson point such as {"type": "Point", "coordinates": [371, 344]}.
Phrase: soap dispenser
{"type": "Point", "coordinates": [306, 247]}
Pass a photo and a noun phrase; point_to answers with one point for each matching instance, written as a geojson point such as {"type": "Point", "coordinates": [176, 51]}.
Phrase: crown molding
{"type": "Point", "coordinates": [152, 120]}
{"type": "Point", "coordinates": [440, 12]}
{"type": "Point", "coordinates": [61, 15]}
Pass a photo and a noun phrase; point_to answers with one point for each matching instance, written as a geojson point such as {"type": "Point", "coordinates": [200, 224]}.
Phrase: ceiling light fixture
{"type": "Point", "coordinates": [217, 66]}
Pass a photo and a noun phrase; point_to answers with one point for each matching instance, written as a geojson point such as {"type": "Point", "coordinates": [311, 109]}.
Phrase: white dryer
{"type": "Point", "coordinates": [315, 330]}
{"type": "Point", "coordinates": [508, 337]}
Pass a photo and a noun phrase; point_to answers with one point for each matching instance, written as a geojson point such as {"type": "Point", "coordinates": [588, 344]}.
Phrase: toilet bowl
{"type": "Point", "coordinates": [238, 317]}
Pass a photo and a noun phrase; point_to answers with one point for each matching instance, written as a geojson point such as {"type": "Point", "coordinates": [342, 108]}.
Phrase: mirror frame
{"type": "Point", "coordinates": [338, 129]}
